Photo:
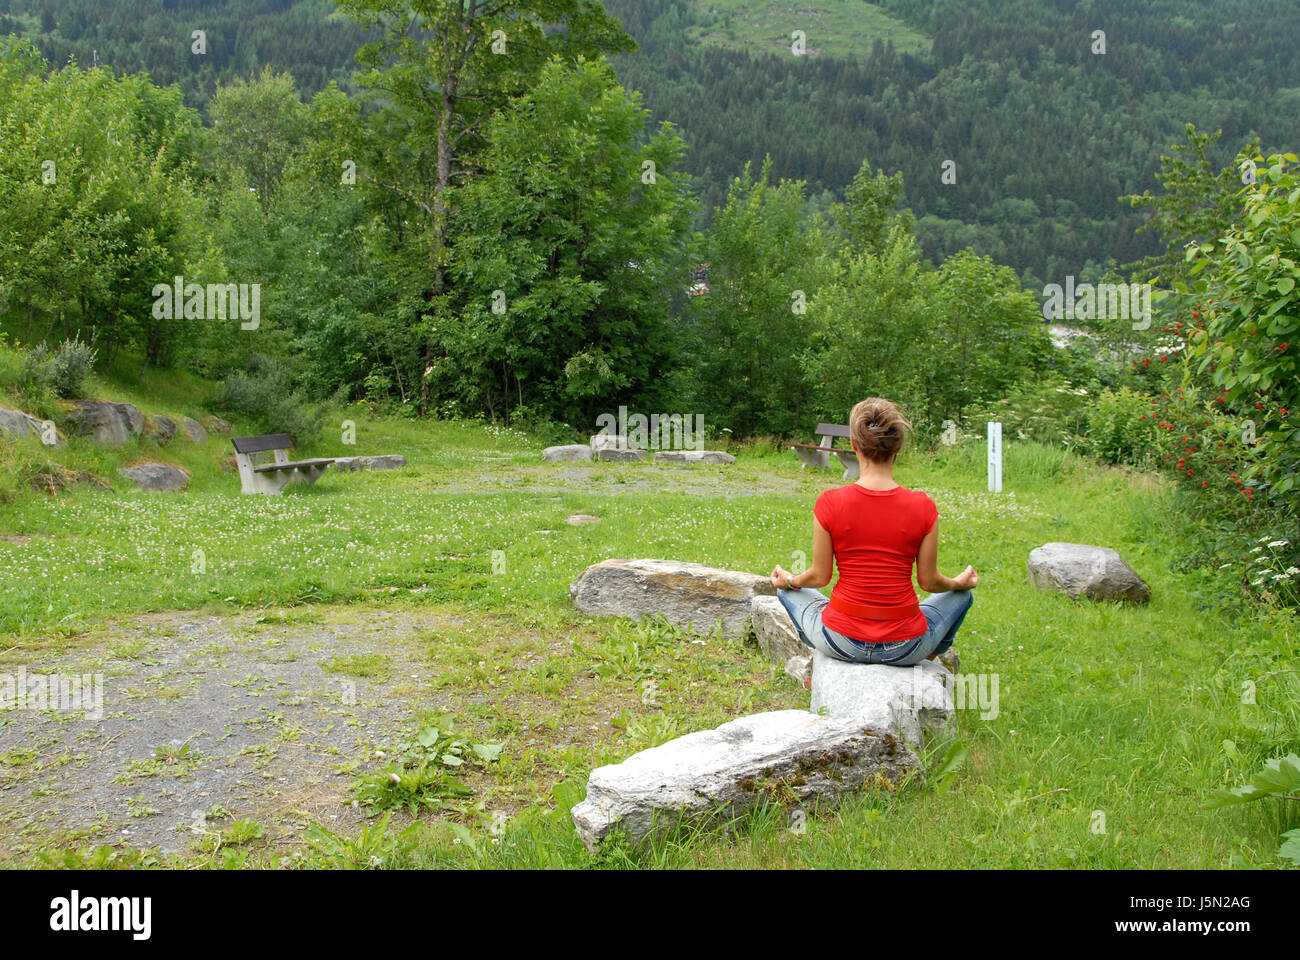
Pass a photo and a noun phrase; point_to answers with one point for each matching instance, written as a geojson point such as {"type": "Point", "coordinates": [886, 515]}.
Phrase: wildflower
{"type": "Point", "coordinates": [1279, 543]}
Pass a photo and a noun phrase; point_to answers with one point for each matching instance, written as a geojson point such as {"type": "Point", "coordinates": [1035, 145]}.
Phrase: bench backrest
{"type": "Point", "coordinates": [268, 441]}
{"type": "Point", "coordinates": [831, 430]}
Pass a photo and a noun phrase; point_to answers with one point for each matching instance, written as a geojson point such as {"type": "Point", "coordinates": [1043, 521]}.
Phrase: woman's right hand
{"type": "Point", "coordinates": [967, 579]}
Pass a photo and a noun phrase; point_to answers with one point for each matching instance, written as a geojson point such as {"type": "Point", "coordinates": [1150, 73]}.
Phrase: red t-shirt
{"type": "Point", "coordinates": [876, 535]}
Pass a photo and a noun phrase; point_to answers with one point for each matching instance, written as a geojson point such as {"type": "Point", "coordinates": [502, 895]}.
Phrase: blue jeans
{"type": "Point", "coordinates": [944, 612]}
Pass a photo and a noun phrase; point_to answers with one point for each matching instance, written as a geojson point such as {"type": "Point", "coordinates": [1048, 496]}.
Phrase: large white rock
{"type": "Point", "coordinates": [689, 595]}
{"type": "Point", "coordinates": [567, 453]}
{"type": "Point", "coordinates": [905, 701]}
{"type": "Point", "coordinates": [719, 774]}
{"type": "Point", "coordinates": [608, 441]}
{"type": "Point", "coordinates": [778, 638]}
{"type": "Point", "coordinates": [693, 456]}
{"type": "Point", "coordinates": [1077, 568]}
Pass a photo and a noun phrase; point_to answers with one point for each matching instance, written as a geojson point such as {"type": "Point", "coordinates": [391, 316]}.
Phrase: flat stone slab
{"type": "Point", "coordinates": [620, 456]}
{"type": "Point", "coordinates": [1098, 573]}
{"type": "Point", "coordinates": [389, 461]}
{"type": "Point", "coordinates": [156, 477]}
{"type": "Point", "coordinates": [689, 595]}
{"type": "Point", "coordinates": [608, 441]}
{"type": "Point", "coordinates": [907, 702]}
{"type": "Point", "coordinates": [693, 456]}
{"type": "Point", "coordinates": [716, 775]}
{"type": "Point", "coordinates": [567, 453]}
{"type": "Point", "coordinates": [778, 638]}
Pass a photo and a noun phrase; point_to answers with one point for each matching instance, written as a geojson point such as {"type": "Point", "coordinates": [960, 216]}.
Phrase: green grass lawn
{"type": "Point", "coordinates": [1114, 723]}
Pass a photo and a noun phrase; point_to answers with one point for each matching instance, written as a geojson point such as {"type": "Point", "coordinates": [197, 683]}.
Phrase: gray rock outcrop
{"type": "Point", "coordinates": [389, 461]}
{"type": "Point", "coordinates": [620, 456]}
{"type": "Point", "coordinates": [156, 477]}
{"type": "Point", "coordinates": [1080, 569]}
{"type": "Point", "coordinates": [689, 595]}
{"type": "Point", "coordinates": [194, 430]}
{"type": "Point", "coordinates": [161, 428]}
{"type": "Point", "coordinates": [109, 424]}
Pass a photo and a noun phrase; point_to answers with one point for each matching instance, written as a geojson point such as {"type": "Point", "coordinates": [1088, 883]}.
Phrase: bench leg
{"type": "Point", "coordinates": [850, 461]}
{"type": "Point", "coordinates": [812, 458]}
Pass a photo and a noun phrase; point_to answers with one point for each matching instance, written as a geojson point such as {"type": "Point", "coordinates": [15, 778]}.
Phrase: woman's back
{"type": "Point", "coordinates": [876, 535]}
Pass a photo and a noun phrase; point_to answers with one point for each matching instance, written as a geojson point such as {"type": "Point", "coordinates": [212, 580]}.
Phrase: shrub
{"type": "Point", "coordinates": [63, 370]}
{"type": "Point", "coordinates": [264, 396]}
{"type": "Point", "coordinates": [1118, 428]}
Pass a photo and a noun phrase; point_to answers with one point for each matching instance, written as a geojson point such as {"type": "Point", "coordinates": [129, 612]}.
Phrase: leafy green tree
{"type": "Point", "coordinates": [568, 250]}
{"type": "Point", "coordinates": [258, 125]}
{"type": "Point", "coordinates": [869, 327]}
{"type": "Point", "coordinates": [765, 265]}
{"type": "Point", "coordinates": [444, 68]}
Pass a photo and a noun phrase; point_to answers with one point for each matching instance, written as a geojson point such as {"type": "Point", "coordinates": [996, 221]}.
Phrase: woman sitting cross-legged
{"type": "Point", "coordinates": [874, 531]}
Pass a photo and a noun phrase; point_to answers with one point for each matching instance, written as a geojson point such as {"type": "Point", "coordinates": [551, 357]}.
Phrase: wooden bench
{"type": "Point", "coordinates": [819, 454]}
{"type": "Point", "coordinates": [270, 478]}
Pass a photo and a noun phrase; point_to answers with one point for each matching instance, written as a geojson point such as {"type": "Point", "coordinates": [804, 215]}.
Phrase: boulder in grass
{"type": "Point", "coordinates": [907, 702]}
{"type": "Point", "coordinates": [778, 638]}
{"type": "Point", "coordinates": [608, 441]}
{"type": "Point", "coordinates": [19, 425]}
{"type": "Point", "coordinates": [688, 595]}
{"type": "Point", "coordinates": [567, 453]}
{"type": "Point", "coordinates": [717, 775]}
{"type": "Point", "coordinates": [390, 461]}
{"type": "Point", "coordinates": [216, 425]}
{"type": "Point", "coordinates": [161, 428]}
{"type": "Point", "coordinates": [1098, 573]}
{"type": "Point", "coordinates": [693, 456]}
{"type": "Point", "coordinates": [156, 477]}
{"type": "Point", "coordinates": [110, 424]}
{"type": "Point", "coordinates": [194, 430]}
{"type": "Point", "coordinates": [620, 456]}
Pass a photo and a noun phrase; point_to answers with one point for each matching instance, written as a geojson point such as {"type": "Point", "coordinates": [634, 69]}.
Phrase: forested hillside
{"type": "Point", "coordinates": [1043, 134]}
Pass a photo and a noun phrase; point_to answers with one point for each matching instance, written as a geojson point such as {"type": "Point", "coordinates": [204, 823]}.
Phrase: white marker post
{"type": "Point", "coordinates": [995, 457]}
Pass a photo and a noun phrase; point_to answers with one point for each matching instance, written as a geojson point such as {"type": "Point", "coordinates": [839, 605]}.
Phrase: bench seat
{"type": "Point", "coordinates": [293, 465]}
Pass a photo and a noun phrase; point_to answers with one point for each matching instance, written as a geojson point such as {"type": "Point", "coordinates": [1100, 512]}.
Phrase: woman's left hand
{"type": "Point", "coordinates": [779, 577]}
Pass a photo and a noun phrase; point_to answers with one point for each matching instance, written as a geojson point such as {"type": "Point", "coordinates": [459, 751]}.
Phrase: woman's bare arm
{"type": "Point", "coordinates": [823, 565]}
{"type": "Point", "coordinates": [928, 577]}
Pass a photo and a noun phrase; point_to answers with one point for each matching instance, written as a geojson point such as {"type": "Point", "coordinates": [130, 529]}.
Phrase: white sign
{"type": "Point", "coordinates": [995, 458]}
